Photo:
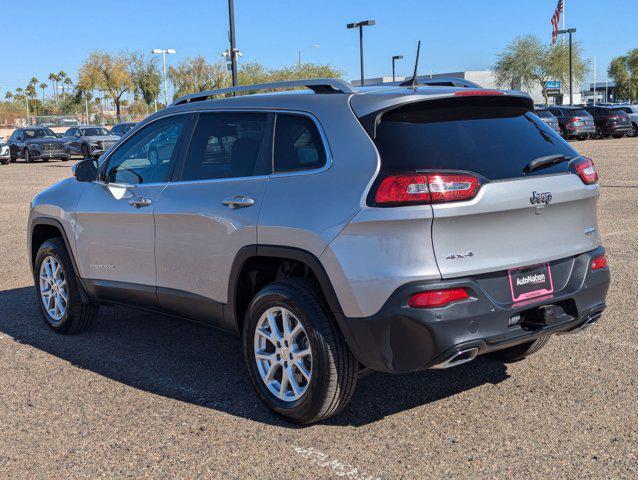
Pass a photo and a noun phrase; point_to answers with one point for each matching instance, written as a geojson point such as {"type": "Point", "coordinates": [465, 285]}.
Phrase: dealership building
{"type": "Point", "coordinates": [486, 79]}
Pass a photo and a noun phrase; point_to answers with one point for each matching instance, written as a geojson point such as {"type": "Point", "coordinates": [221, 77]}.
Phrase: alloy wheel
{"type": "Point", "coordinates": [283, 354]}
{"type": "Point", "coordinates": [53, 288]}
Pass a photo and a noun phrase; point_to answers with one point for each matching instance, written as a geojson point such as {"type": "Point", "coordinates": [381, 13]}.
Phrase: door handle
{"type": "Point", "coordinates": [238, 201]}
{"type": "Point", "coordinates": [140, 202]}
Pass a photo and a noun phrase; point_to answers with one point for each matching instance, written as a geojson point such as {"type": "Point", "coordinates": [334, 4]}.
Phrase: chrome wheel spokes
{"type": "Point", "coordinates": [283, 354]}
{"type": "Point", "coordinates": [53, 288]}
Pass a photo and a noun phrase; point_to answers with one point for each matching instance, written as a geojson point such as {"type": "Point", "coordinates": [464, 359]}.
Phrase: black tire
{"type": "Point", "coordinates": [64, 159]}
{"type": "Point", "coordinates": [45, 160]}
{"type": "Point", "coordinates": [634, 132]}
{"type": "Point", "coordinates": [27, 156]}
{"type": "Point", "coordinates": [85, 152]}
{"type": "Point", "coordinates": [4, 161]}
{"type": "Point", "coordinates": [564, 133]}
{"type": "Point", "coordinates": [519, 352]}
{"type": "Point", "coordinates": [79, 316]}
{"type": "Point", "coordinates": [12, 159]}
{"type": "Point", "coordinates": [618, 135]}
{"type": "Point", "coordinates": [334, 369]}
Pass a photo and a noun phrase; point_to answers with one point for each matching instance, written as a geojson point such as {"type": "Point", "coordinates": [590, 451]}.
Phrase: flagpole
{"type": "Point", "coordinates": [594, 81]}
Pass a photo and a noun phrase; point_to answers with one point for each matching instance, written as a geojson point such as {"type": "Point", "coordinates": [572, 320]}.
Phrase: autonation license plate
{"type": "Point", "coordinates": [530, 282]}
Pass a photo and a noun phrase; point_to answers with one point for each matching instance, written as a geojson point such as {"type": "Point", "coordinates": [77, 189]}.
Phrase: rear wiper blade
{"type": "Point", "coordinates": [545, 161]}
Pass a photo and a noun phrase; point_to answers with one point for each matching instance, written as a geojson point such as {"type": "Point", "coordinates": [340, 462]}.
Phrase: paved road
{"type": "Point", "coordinates": [144, 395]}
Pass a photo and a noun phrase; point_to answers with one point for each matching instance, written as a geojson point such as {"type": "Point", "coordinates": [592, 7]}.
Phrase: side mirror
{"type": "Point", "coordinates": [85, 171]}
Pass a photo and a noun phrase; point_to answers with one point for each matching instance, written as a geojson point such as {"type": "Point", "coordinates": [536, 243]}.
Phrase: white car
{"type": "Point", "coordinates": [5, 158]}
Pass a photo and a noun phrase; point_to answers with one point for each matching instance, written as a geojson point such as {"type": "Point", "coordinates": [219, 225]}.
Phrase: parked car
{"type": "Point", "coordinates": [632, 111]}
{"type": "Point", "coordinates": [5, 156]}
{"type": "Point", "coordinates": [390, 229]}
{"type": "Point", "coordinates": [610, 121]}
{"type": "Point", "coordinates": [89, 141]}
{"type": "Point", "coordinates": [574, 122]}
{"type": "Point", "coordinates": [122, 129]}
{"type": "Point", "coordinates": [36, 143]}
{"type": "Point", "coordinates": [548, 118]}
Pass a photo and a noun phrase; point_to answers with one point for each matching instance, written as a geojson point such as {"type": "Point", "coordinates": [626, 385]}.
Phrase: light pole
{"type": "Point", "coordinates": [570, 31]}
{"type": "Point", "coordinates": [360, 25]}
{"type": "Point", "coordinates": [170, 51]}
{"type": "Point", "coordinates": [231, 36]}
{"type": "Point", "coordinates": [394, 59]}
{"type": "Point", "coordinates": [303, 49]}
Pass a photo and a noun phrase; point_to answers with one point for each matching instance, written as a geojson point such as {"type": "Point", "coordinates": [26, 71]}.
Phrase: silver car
{"type": "Point", "coordinates": [386, 228]}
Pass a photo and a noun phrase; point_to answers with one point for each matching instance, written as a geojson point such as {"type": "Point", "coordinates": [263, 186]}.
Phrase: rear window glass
{"type": "Point", "coordinates": [544, 113]}
{"type": "Point", "coordinates": [495, 138]}
{"type": "Point", "coordinates": [577, 112]}
{"type": "Point", "coordinates": [615, 111]}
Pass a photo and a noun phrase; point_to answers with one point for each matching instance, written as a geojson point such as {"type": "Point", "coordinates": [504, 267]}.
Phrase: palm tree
{"type": "Point", "coordinates": [62, 76]}
{"type": "Point", "coordinates": [67, 82]}
{"type": "Point", "coordinates": [43, 86]}
{"type": "Point", "coordinates": [54, 79]}
{"type": "Point", "coordinates": [8, 96]}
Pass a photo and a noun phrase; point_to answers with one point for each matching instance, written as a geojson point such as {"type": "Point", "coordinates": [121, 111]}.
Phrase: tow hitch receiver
{"type": "Point", "coordinates": [539, 317]}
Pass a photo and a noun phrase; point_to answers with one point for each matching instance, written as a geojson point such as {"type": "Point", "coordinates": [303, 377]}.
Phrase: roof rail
{"type": "Point", "coordinates": [318, 85]}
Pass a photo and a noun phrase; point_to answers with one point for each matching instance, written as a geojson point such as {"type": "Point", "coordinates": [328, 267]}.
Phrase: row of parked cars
{"type": "Point", "coordinates": [598, 121]}
{"type": "Point", "coordinates": [41, 143]}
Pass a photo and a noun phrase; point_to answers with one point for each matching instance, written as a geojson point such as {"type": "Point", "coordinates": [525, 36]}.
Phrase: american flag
{"type": "Point", "coordinates": [556, 20]}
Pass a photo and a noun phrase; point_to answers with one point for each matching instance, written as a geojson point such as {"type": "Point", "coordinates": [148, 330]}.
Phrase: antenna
{"type": "Point", "coordinates": [412, 81]}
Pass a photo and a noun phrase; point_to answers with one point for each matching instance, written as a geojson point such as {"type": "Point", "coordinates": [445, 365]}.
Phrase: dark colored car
{"type": "Point", "coordinates": [36, 143]}
{"type": "Point", "coordinates": [547, 117]}
{"type": "Point", "coordinates": [610, 121]}
{"type": "Point", "coordinates": [122, 129]}
{"type": "Point", "coordinates": [574, 122]}
{"type": "Point", "coordinates": [89, 141]}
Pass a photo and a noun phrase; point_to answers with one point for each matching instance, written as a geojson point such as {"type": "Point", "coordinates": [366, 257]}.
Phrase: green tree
{"type": "Point", "coordinates": [624, 71]}
{"type": "Point", "coordinates": [196, 74]}
{"type": "Point", "coordinates": [54, 79]}
{"type": "Point", "coordinates": [527, 62]}
{"type": "Point", "coordinates": [111, 73]}
{"type": "Point", "coordinates": [148, 79]}
{"type": "Point", "coordinates": [43, 86]}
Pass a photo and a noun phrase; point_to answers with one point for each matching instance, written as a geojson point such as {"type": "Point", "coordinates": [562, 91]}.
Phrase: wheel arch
{"type": "Point", "coordinates": [236, 307]}
{"type": "Point", "coordinates": [43, 229]}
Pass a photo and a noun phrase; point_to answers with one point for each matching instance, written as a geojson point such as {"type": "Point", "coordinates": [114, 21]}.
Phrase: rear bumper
{"type": "Point", "coordinates": [619, 129]}
{"type": "Point", "coordinates": [402, 339]}
{"type": "Point", "coordinates": [580, 130]}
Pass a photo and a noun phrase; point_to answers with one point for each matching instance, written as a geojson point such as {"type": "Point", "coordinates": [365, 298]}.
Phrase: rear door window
{"type": "Point", "coordinates": [298, 144]}
{"type": "Point", "coordinates": [228, 145]}
{"type": "Point", "coordinates": [495, 138]}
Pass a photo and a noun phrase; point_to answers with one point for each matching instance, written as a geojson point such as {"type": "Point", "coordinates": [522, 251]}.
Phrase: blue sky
{"type": "Point", "coordinates": [456, 35]}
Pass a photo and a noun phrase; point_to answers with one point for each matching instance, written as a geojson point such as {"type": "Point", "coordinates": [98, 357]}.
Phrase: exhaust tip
{"type": "Point", "coordinates": [458, 358]}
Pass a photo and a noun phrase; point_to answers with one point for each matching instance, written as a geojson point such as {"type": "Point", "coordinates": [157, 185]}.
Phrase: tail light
{"type": "Point", "coordinates": [584, 168]}
{"type": "Point", "coordinates": [438, 298]}
{"type": "Point", "coordinates": [409, 189]}
{"type": "Point", "coordinates": [599, 263]}
{"type": "Point", "coordinates": [477, 93]}
{"type": "Point", "coordinates": [573, 120]}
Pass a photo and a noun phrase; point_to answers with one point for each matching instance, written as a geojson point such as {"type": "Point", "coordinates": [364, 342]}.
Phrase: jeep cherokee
{"type": "Point", "coordinates": [386, 228]}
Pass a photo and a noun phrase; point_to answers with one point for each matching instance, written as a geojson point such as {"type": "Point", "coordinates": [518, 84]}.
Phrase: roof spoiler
{"type": "Point", "coordinates": [318, 85]}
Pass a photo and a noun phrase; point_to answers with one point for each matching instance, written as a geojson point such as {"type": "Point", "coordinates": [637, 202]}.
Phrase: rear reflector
{"type": "Point", "coordinates": [585, 169]}
{"type": "Point", "coordinates": [599, 263]}
{"type": "Point", "coordinates": [438, 298]}
{"type": "Point", "coordinates": [477, 93]}
{"type": "Point", "coordinates": [406, 189]}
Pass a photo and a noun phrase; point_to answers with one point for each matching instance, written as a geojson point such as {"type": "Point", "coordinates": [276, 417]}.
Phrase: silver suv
{"type": "Point", "coordinates": [386, 228]}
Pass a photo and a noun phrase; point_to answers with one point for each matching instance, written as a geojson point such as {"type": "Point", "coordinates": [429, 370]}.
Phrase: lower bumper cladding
{"type": "Point", "coordinates": [403, 339]}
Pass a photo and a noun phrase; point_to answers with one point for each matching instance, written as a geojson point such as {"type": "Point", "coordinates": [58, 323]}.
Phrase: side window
{"type": "Point", "coordinates": [226, 145]}
{"type": "Point", "coordinates": [298, 145]}
{"type": "Point", "coordinates": [147, 156]}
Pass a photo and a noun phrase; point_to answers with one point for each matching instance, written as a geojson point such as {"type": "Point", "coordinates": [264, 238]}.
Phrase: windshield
{"type": "Point", "coordinates": [494, 139]}
{"type": "Point", "coordinates": [39, 133]}
{"type": "Point", "coordinates": [95, 132]}
{"type": "Point", "coordinates": [544, 113]}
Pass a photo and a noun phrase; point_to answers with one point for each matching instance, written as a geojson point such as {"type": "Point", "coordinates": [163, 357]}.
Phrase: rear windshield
{"type": "Point", "coordinates": [577, 112]}
{"type": "Point", "coordinates": [544, 113]}
{"type": "Point", "coordinates": [495, 138]}
{"type": "Point", "coordinates": [616, 111]}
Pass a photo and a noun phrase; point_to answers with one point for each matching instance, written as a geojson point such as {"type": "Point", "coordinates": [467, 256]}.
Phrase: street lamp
{"type": "Point", "coordinates": [360, 25]}
{"type": "Point", "coordinates": [304, 49]}
{"type": "Point", "coordinates": [170, 51]}
{"type": "Point", "coordinates": [569, 31]}
{"type": "Point", "coordinates": [395, 58]}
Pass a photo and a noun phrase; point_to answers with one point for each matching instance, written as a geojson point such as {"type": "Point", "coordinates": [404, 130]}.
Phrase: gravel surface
{"type": "Point", "coordinates": [143, 395]}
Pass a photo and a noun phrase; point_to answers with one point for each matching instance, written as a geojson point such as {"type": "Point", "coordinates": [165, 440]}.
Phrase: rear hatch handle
{"type": "Point", "coordinates": [545, 161]}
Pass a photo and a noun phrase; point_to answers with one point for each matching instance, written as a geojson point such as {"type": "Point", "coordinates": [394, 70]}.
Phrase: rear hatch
{"type": "Point", "coordinates": [618, 118]}
{"type": "Point", "coordinates": [517, 215]}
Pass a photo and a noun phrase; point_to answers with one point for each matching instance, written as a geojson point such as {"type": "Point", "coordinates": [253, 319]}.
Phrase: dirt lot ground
{"type": "Point", "coordinates": [143, 395]}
